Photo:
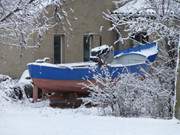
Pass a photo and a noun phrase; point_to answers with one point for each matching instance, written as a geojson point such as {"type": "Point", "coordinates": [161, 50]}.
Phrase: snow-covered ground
{"type": "Point", "coordinates": [39, 119]}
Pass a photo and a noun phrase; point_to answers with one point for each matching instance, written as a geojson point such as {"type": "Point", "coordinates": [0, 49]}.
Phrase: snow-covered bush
{"type": "Point", "coordinates": [132, 95]}
{"type": "Point", "coordinates": [7, 90]}
{"type": "Point", "coordinates": [160, 20]}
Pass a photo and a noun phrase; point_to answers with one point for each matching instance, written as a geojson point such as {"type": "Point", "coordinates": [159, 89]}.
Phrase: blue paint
{"type": "Point", "coordinates": [54, 73]}
{"type": "Point", "coordinates": [152, 58]}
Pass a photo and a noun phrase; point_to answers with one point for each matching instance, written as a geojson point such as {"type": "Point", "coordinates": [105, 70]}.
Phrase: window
{"type": "Point", "coordinates": [90, 40]}
{"type": "Point", "coordinates": [58, 45]}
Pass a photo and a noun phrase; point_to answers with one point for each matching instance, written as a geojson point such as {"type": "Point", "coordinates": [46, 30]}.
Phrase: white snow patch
{"type": "Point", "coordinates": [149, 52]}
{"type": "Point", "coordinates": [25, 78]}
{"type": "Point", "coordinates": [46, 59]}
{"type": "Point", "coordinates": [43, 120]}
{"type": "Point", "coordinates": [145, 52]}
{"type": "Point", "coordinates": [67, 65]}
{"type": "Point", "coordinates": [44, 64]}
{"type": "Point", "coordinates": [80, 64]}
{"type": "Point", "coordinates": [133, 7]}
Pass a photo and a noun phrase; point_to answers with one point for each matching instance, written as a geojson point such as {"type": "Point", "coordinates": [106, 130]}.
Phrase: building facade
{"type": "Point", "coordinates": [64, 43]}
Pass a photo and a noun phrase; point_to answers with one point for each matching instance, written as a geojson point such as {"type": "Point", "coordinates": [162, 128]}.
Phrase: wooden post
{"type": "Point", "coordinates": [35, 93]}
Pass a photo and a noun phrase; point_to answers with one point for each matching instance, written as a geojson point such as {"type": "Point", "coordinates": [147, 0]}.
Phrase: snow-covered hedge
{"type": "Point", "coordinates": [131, 95]}
{"type": "Point", "coordinates": [7, 90]}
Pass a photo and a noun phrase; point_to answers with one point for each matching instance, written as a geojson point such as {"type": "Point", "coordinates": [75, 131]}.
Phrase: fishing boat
{"type": "Point", "coordinates": [67, 77]}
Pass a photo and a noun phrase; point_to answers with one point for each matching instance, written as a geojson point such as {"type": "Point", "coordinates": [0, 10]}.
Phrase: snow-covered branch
{"type": "Point", "coordinates": [152, 94]}
{"type": "Point", "coordinates": [160, 17]}
{"type": "Point", "coordinates": [20, 20]}
{"type": "Point", "coordinates": [132, 95]}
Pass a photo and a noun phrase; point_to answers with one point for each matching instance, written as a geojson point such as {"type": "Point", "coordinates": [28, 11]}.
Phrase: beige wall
{"type": "Point", "coordinates": [13, 60]}
{"type": "Point", "coordinates": [89, 20]}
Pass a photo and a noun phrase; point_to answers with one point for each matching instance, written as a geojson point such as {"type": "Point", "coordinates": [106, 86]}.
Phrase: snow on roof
{"type": "Point", "coordinates": [133, 7]}
{"type": "Point", "coordinates": [43, 4]}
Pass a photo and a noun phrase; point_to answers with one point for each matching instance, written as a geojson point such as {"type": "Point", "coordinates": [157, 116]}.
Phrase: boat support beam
{"type": "Point", "coordinates": [35, 93]}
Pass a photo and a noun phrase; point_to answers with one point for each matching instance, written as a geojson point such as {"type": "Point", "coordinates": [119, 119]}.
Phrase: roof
{"type": "Point", "coordinates": [133, 6]}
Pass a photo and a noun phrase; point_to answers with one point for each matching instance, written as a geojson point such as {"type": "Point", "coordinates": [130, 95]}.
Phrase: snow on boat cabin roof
{"type": "Point", "coordinates": [148, 50]}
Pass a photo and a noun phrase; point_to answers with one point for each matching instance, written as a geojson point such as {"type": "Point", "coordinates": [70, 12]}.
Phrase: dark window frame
{"type": "Point", "coordinates": [59, 41]}
{"type": "Point", "coordinates": [88, 39]}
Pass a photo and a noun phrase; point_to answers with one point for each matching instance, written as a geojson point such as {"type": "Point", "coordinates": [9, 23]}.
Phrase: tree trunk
{"type": "Point", "coordinates": [177, 106]}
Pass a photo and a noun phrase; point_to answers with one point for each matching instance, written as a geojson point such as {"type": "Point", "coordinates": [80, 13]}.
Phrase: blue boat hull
{"type": "Point", "coordinates": [50, 77]}
{"type": "Point", "coordinates": [64, 79]}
